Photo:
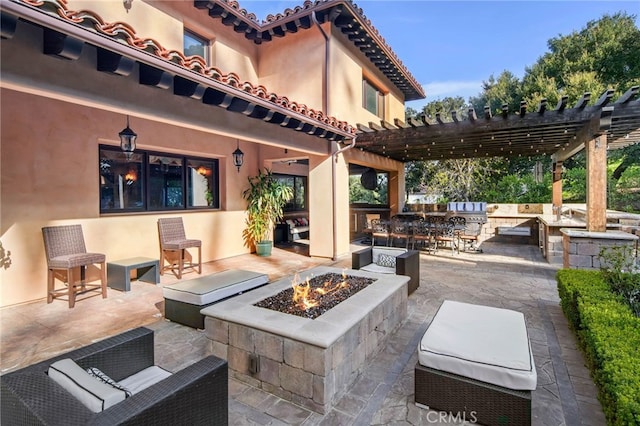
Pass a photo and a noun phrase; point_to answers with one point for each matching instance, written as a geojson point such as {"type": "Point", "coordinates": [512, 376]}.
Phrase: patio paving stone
{"type": "Point", "coordinates": [512, 277]}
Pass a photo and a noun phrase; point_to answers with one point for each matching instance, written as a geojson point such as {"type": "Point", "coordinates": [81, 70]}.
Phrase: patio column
{"type": "Point", "coordinates": [556, 189]}
{"type": "Point", "coordinates": [596, 150]}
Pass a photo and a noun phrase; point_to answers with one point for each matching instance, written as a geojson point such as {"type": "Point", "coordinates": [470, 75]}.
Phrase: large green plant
{"type": "Point", "coordinates": [265, 197]}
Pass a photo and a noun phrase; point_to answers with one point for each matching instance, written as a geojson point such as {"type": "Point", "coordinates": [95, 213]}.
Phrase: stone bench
{"type": "Point", "coordinates": [477, 361]}
{"type": "Point", "coordinates": [183, 301]}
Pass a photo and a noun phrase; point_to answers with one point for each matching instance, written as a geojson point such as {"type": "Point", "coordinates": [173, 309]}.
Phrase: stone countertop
{"type": "Point", "coordinates": [582, 233]}
{"type": "Point", "coordinates": [565, 222]}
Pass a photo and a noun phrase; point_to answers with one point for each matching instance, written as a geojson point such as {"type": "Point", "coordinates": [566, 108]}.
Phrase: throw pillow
{"type": "Point", "coordinates": [99, 375]}
{"type": "Point", "coordinates": [94, 394]}
{"type": "Point", "coordinates": [386, 260]}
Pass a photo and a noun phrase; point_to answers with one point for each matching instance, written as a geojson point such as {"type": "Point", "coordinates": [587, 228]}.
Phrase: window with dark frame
{"type": "Point", "coordinates": [196, 45]}
{"type": "Point", "coordinates": [299, 185]}
{"type": "Point", "coordinates": [153, 181]}
{"type": "Point", "coordinates": [372, 98]}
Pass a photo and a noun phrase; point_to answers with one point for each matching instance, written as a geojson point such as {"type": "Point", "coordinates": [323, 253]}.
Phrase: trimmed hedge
{"type": "Point", "coordinates": [609, 334]}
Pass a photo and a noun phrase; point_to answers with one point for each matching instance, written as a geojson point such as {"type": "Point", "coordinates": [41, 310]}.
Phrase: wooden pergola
{"type": "Point", "coordinates": [559, 133]}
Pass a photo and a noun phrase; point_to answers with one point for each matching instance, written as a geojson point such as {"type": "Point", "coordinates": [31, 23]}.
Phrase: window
{"type": "Point", "coordinates": [372, 98]}
{"type": "Point", "coordinates": [196, 45]}
{"type": "Point", "coordinates": [299, 186]}
{"type": "Point", "coordinates": [151, 181]}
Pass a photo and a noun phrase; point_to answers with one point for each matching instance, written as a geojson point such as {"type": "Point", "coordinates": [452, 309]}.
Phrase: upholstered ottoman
{"type": "Point", "coordinates": [475, 362]}
{"type": "Point", "coordinates": [183, 301]}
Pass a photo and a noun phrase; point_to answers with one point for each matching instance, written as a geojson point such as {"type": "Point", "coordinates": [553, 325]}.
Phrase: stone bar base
{"type": "Point", "coordinates": [308, 362]}
{"type": "Point", "coordinates": [582, 248]}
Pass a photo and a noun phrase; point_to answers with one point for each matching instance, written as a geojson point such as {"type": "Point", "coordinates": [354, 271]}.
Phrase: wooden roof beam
{"type": "Point", "coordinates": [562, 103]}
{"type": "Point", "coordinates": [604, 98]}
{"type": "Point", "coordinates": [628, 95]}
{"type": "Point", "coordinates": [542, 106]}
{"type": "Point", "coordinates": [472, 113]}
{"type": "Point", "coordinates": [439, 118]}
{"type": "Point", "coordinates": [523, 108]}
{"type": "Point", "coordinates": [505, 110]}
{"type": "Point", "coordinates": [583, 101]}
{"type": "Point", "coordinates": [375, 126]}
{"type": "Point", "coordinates": [454, 116]}
{"type": "Point", "coordinates": [487, 112]}
{"type": "Point", "coordinates": [400, 124]}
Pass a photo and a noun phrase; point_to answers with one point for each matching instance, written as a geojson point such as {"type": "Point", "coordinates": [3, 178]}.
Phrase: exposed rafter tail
{"type": "Point", "coordinates": [487, 112]}
{"type": "Point", "coordinates": [542, 106]}
{"type": "Point", "coordinates": [583, 101]}
{"type": "Point", "coordinates": [605, 98]}
{"type": "Point", "coordinates": [523, 108]}
{"type": "Point", "coordinates": [562, 103]}
{"type": "Point", "coordinates": [400, 124]}
{"type": "Point", "coordinates": [628, 95]}
{"type": "Point", "coordinates": [472, 113]}
{"type": "Point", "coordinates": [505, 110]}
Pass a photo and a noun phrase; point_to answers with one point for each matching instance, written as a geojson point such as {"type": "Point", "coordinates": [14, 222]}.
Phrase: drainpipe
{"type": "Point", "coordinates": [325, 75]}
{"type": "Point", "coordinates": [325, 108]}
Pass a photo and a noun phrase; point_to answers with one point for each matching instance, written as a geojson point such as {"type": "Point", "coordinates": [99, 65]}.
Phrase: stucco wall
{"type": "Point", "coordinates": [49, 176]}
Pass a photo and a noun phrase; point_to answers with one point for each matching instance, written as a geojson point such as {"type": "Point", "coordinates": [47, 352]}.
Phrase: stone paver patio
{"type": "Point", "coordinates": [506, 276]}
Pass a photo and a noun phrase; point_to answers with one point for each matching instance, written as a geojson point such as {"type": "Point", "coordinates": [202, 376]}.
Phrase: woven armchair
{"type": "Point", "coordinates": [195, 395]}
{"type": "Point", "coordinates": [68, 261]}
{"type": "Point", "coordinates": [174, 245]}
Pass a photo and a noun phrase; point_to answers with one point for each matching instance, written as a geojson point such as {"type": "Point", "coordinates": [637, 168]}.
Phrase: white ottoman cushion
{"type": "Point", "coordinates": [211, 288]}
{"type": "Point", "coordinates": [480, 342]}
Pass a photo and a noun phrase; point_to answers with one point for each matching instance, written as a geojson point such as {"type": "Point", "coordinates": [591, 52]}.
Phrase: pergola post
{"type": "Point", "coordinates": [596, 151]}
{"type": "Point", "coordinates": [556, 189]}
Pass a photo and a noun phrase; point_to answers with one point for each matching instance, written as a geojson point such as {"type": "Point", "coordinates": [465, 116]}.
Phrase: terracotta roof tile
{"type": "Point", "coordinates": [124, 32]}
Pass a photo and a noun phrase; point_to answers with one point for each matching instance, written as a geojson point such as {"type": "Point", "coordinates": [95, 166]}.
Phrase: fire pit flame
{"type": "Point", "coordinates": [303, 293]}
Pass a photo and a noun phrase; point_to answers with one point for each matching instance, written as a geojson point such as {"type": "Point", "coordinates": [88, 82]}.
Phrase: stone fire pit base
{"type": "Point", "coordinates": [308, 362]}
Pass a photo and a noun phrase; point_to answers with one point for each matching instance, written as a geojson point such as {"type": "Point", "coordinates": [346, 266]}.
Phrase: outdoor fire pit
{"type": "Point", "coordinates": [310, 362]}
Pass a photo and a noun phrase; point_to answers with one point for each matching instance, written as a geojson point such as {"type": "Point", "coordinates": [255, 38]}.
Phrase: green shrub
{"type": "Point", "coordinates": [618, 266]}
{"type": "Point", "coordinates": [609, 335]}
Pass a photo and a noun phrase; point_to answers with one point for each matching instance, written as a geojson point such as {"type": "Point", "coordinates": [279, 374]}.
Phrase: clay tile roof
{"type": "Point", "coordinates": [345, 14]}
{"type": "Point", "coordinates": [125, 33]}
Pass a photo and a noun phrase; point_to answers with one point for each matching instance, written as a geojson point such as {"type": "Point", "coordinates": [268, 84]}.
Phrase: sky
{"type": "Point", "coordinates": [451, 47]}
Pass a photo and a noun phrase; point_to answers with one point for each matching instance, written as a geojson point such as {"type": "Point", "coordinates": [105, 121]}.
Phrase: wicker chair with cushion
{"type": "Point", "coordinates": [195, 395]}
{"type": "Point", "coordinates": [174, 245]}
{"type": "Point", "coordinates": [69, 262]}
{"type": "Point", "coordinates": [389, 260]}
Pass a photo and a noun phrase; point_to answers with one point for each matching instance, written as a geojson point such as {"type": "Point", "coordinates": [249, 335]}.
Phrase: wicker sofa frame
{"type": "Point", "coordinates": [196, 395]}
{"type": "Point", "coordinates": [475, 401]}
{"type": "Point", "coordinates": [407, 263]}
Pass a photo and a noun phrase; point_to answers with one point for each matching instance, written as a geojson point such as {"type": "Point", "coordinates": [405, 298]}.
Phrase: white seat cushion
{"type": "Point", "coordinates": [144, 378]}
{"type": "Point", "coordinates": [480, 342]}
{"type": "Point", "coordinates": [372, 267]}
{"type": "Point", "coordinates": [211, 288]}
{"type": "Point", "coordinates": [93, 393]}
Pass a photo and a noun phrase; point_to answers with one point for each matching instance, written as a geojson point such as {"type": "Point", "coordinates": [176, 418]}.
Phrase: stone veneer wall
{"type": "Point", "coordinates": [305, 374]}
{"type": "Point", "coordinates": [582, 248]}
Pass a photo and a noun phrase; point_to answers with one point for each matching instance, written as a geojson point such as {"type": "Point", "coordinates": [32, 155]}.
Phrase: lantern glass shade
{"type": "Point", "coordinates": [128, 140]}
{"type": "Point", "coordinates": [238, 157]}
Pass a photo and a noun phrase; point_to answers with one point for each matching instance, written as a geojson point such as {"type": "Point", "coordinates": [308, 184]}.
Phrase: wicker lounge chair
{"type": "Point", "coordinates": [174, 245]}
{"type": "Point", "coordinates": [196, 395]}
{"type": "Point", "coordinates": [68, 261]}
{"type": "Point", "coordinates": [405, 262]}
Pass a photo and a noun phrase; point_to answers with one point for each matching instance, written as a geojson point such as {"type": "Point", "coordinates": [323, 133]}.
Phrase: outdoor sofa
{"type": "Point", "coordinates": [389, 260]}
{"type": "Point", "coordinates": [196, 395]}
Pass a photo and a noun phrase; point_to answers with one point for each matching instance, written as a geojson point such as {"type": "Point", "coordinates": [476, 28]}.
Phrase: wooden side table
{"type": "Point", "coordinates": [119, 272]}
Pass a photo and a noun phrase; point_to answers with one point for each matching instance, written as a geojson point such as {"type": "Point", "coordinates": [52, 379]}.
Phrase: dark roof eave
{"type": "Point", "coordinates": [57, 21]}
{"type": "Point", "coordinates": [293, 19]}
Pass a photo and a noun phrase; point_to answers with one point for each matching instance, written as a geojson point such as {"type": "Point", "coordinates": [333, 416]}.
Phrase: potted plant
{"type": "Point", "coordinates": [265, 197]}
